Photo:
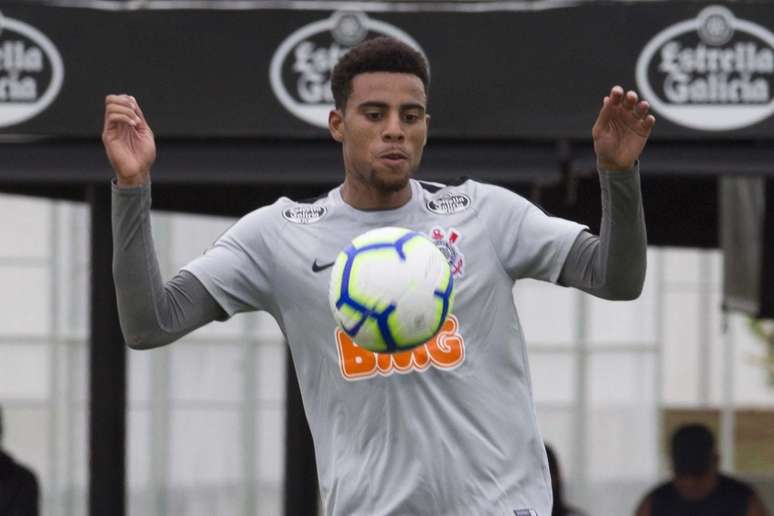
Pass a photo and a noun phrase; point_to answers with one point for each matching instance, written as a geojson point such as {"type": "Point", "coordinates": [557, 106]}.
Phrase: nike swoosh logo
{"type": "Point", "coordinates": [317, 267]}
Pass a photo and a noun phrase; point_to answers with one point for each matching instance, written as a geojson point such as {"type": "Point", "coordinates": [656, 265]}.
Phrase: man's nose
{"type": "Point", "coordinates": [393, 131]}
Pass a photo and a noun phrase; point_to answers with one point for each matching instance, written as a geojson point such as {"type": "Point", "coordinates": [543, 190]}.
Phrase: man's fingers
{"type": "Point", "coordinates": [137, 109]}
{"type": "Point", "coordinates": [122, 110]}
{"type": "Point", "coordinates": [630, 100]}
{"type": "Point", "coordinates": [641, 109]}
{"type": "Point", "coordinates": [127, 106]}
{"type": "Point", "coordinates": [616, 95]}
{"type": "Point", "coordinates": [603, 116]}
{"type": "Point", "coordinates": [645, 126]}
{"type": "Point", "coordinates": [117, 104]}
{"type": "Point", "coordinates": [120, 118]}
{"type": "Point", "coordinates": [117, 114]}
{"type": "Point", "coordinates": [626, 108]}
{"type": "Point", "coordinates": [124, 100]}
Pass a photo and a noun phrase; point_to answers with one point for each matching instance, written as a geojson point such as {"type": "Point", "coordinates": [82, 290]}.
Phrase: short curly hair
{"type": "Point", "coordinates": [382, 54]}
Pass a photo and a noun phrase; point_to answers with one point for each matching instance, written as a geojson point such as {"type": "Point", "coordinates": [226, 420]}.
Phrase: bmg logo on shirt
{"type": "Point", "coordinates": [444, 351]}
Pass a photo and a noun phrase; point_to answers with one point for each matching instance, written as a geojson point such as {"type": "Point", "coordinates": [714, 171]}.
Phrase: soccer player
{"type": "Point", "coordinates": [450, 428]}
{"type": "Point", "coordinates": [698, 488]}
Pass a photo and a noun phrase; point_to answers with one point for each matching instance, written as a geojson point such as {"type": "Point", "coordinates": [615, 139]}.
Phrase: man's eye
{"type": "Point", "coordinates": [410, 117]}
{"type": "Point", "coordinates": [373, 115]}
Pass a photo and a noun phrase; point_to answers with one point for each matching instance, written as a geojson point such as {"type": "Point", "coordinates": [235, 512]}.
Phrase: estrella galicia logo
{"type": "Point", "coordinates": [304, 214]}
{"type": "Point", "coordinates": [300, 70]}
{"type": "Point", "coordinates": [711, 73]}
{"type": "Point", "coordinates": [31, 71]}
{"type": "Point", "coordinates": [449, 203]}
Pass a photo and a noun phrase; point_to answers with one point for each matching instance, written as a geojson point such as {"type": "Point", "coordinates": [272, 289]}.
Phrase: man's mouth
{"type": "Point", "coordinates": [394, 157]}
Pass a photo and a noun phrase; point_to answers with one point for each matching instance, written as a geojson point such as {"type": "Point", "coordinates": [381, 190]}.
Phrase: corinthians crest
{"type": "Point", "coordinates": [447, 243]}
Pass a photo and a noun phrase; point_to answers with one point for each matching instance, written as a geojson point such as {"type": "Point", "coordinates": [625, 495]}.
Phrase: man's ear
{"type": "Point", "coordinates": [335, 119]}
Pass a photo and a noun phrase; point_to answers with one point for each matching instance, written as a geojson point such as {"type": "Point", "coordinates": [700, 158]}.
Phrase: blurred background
{"type": "Point", "coordinates": [211, 422]}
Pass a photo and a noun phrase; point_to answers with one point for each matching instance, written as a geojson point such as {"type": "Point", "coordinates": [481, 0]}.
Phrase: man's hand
{"type": "Point", "coordinates": [621, 130]}
{"type": "Point", "coordinates": [128, 140]}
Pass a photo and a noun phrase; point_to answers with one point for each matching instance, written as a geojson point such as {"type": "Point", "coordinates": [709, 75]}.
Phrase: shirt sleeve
{"type": "Point", "coordinates": [612, 266]}
{"type": "Point", "coordinates": [152, 313]}
{"type": "Point", "coordinates": [237, 269]}
{"type": "Point", "coordinates": [529, 243]}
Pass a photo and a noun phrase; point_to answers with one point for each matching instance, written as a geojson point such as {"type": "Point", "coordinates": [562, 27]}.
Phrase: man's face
{"type": "Point", "coordinates": [382, 129]}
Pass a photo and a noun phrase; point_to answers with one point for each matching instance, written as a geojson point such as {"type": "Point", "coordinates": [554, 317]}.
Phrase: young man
{"type": "Point", "coordinates": [455, 432]}
{"type": "Point", "coordinates": [698, 488]}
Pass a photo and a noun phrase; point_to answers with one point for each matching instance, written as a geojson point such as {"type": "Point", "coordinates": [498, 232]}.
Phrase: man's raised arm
{"type": "Point", "coordinates": [152, 314]}
{"type": "Point", "coordinates": [612, 266]}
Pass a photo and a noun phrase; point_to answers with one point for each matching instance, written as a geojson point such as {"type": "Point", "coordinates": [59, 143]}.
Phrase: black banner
{"type": "Point", "coordinates": [708, 71]}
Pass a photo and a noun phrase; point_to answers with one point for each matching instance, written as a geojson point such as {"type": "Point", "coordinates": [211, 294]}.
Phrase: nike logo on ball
{"type": "Point", "coordinates": [317, 267]}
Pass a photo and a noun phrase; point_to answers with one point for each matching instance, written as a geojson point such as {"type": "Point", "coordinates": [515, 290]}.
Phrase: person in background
{"type": "Point", "coordinates": [19, 493]}
{"type": "Point", "coordinates": [560, 507]}
{"type": "Point", "coordinates": [697, 487]}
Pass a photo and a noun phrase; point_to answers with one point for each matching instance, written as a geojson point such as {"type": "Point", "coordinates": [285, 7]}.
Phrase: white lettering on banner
{"type": "Point", "coordinates": [314, 66]}
{"type": "Point", "coordinates": [15, 56]}
{"type": "Point", "coordinates": [31, 71]}
{"type": "Point", "coordinates": [717, 88]}
{"type": "Point", "coordinates": [743, 57]}
{"type": "Point", "coordinates": [715, 72]}
{"type": "Point", "coordinates": [14, 89]}
{"type": "Point", "coordinates": [300, 70]}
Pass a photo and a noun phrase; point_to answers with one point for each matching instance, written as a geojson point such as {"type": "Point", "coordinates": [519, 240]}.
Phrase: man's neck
{"type": "Point", "coordinates": [369, 199]}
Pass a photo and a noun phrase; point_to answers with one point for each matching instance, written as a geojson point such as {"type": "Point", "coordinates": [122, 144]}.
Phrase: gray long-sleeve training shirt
{"type": "Point", "coordinates": [448, 428]}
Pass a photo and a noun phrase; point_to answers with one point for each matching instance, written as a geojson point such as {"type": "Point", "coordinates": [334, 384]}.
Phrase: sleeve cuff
{"type": "Point", "coordinates": [129, 190]}
{"type": "Point", "coordinates": [625, 173]}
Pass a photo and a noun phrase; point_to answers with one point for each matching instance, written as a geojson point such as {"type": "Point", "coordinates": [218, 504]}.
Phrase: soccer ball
{"type": "Point", "coordinates": [391, 289]}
